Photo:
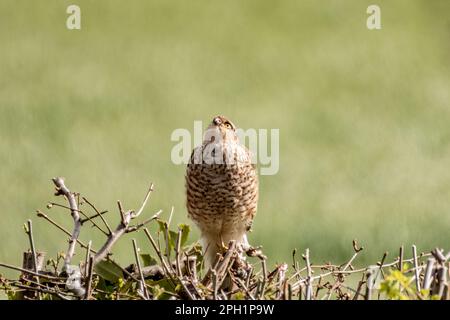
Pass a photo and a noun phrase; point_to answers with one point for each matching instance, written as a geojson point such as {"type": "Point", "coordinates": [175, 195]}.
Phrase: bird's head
{"type": "Point", "coordinates": [221, 127]}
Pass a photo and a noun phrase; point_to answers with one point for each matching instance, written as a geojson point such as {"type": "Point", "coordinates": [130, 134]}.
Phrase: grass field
{"type": "Point", "coordinates": [363, 115]}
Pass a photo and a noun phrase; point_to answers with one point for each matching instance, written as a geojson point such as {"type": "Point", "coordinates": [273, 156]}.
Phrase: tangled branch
{"type": "Point", "coordinates": [177, 271]}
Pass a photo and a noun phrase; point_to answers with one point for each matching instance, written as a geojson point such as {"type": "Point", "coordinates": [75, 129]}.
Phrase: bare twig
{"type": "Point", "coordinates": [263, 283]}
{"type": "Point", "coordinates": [123, 227]}
{"type": "Point", "coordinates": [88, 255]}
{"type": "Point", "coordinates": [144, 203]}
{"type": "Point", "coordinates": [416, 266]}
{"type": "Point", "coordinates": [158, 252]}
{"type": "Point", "coordinates": [141, 275]}
{"type": "Point", "coordinates": [61, 189]}
{"type": "Point", "coordinates": [428, 273]}
{"type": "Point", "coordinates": [40, 214]}
{"type": "Point", "coordinates": [106, 248]}
{"type": "Point", "coordinates": [400, 259]}
{"type": "Point", "coordinates": [33, 251]}
{"type": "Point", "coordinates": [167, 241]}
{"type": "Point", "coordinates": [89, 278]}
{"type": "Point", "coordinates": [177, 252]}
{"type": "Point", "coordinates": [144, 223]}
{"type": "Point", "coordinates": [215, 283]}
{"type": "Point", "coordinates": [37, 274]}
{"type": "Point", "coordinates": [244, 286]}
{"type": "Point", "coordinates": [99, 214]}
{"type": "Point", "coordinates": [309, 281]}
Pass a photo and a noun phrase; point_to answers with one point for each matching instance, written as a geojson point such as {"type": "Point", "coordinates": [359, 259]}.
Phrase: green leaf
{"type": "Point", "coordinates": [148, 260]}
{"type": "Point", "coordinates": [160, 287]}
{"type": "Point", "coordinates": [186, 229]}
{"type": "Point", "coordinates": [163, 283]}
{"type": "Point", "coordinates": [173, 236]}
{"type": "Point", "coordinates": [173, 239]}
{"type": "Point", "coordinates": [162, 225]}
{"type": "Point", "coordinates": [108, 271]}
{"type": "Point", "coordinates": [238, 296]}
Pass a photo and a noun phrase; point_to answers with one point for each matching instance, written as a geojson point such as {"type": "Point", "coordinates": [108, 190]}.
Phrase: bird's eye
{"type": "Point", "coordinates": [228, 125]}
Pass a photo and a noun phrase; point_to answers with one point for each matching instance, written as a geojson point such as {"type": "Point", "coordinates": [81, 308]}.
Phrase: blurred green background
{"type": "Point", "coordinates": [364, 116]}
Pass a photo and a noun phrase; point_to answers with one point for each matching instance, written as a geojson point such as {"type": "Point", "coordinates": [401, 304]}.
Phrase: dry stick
{"type": "Point", "coordinates": [272, 275]}
{"type": "Point", "coordinates": [160, 256]}
{"type": "Point", "coordinates": [206, 278]}
{"type": "Point", "coordinates": [309, 282]}
{"type": "Point", "coordinates": [87, 218]}
{"type": "Point", "coordinates": [194, 286]}
{"type": "Point", "coordinates": [300, 291]}
{"type": "Point", "coordinates": [112, 238]}
{"type": "Point", "coordinates": [121, 211]}
{"type": "Point", "coordinates": [447, 256]}
{"type": "Point", "coordinates": [263, 283]}
{"type": "Point", "coordinates": [141, 275]}
{"type": "Point", "coordinates": [400, 259]}
{"type": "Point", "coordinates": [99, 214]}
{"type": "Point", "coordinates": [33, 251]}
{"type": "Point", "coordinates": [416, 265]}
{"type": "Point", "coordinates": [82, 221]}
{"type": "Point", "coordinates": [289, 288]}
{"type": "Point", "coordinates": [88, 255]}
{"type": "Point", "coordinates": [437, 253]}
{"type": "Point", "coordinates": [63, 190]}
{"type": "Point", "coordinates": [358, 290]}
{"type": "Point", "coordinates": [220, 265]}
{"type": "Point", "coordinates": [428, 273]}
{"type": "Point", "coordinates": [380, 270]}
{"type": "Point", "coordinates": [348, 264]}
{"type": "Point", "coordinates": [249, 276]}
{"type": "Point", "coordinates": [442, 280]}
{"type": "Point", "coordinates": [142, 224]}
{"type": "Point", "coordinates": [350, 261]}
{"type": "Point", "coordinates": [192, 263]}
{"type": "Point", "coordinates": [167, 241]}
{"type": "Point", "coordinates": [37, 289]}
{"type": "Point", "coordinates": [40, 214]}
{"type": "Point", "coordinates": [42, 289]}
{"type": "Point", "coordinates": [177, 252]}
{"type": "Point", "coordinates": [170, 217]}
{"type": "Point", "coordinates": [224, 295]}
{"type": "Point", "coordinates": [188, 267]}
{"type": "Point", "coordinates": [225, 265]}
{"type": "Point", "coordinates": [214, 281]}
{"type": "Point", "coordinates": [51, 204]}
{"type": "Point", "coordinates": [89, 278]}
{"type": "Point", "coordinates": [8, 266]}
{"type": "Point", "coordinates": [190, 296]}
{"type": "Point", "coordinates": [336, 272]}
{"type": "Point", "coordinates": [369, 288]}
{"type": "Point", "coordinates": [83, 245]}
{"type": "Point", "coordinates": [242, 284]}
{"type": "Point", "coordinates": [40, 285]}
{"type": "Point", "coordinates": [144, 203]}
{"type": "Point", "coordinates": [281, 280]}
{"type": "Point", "coordinates": [123, 227]}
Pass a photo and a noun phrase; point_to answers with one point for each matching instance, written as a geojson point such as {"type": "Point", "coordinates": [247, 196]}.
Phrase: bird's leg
{"type": "Point", "coordinates": [245, 244]}
{"type": "Point", "coordinates": [250, 250]}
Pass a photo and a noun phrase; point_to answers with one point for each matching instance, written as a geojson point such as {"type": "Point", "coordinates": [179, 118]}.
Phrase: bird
{"type": "Point", "coordinates": [221, 189]}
